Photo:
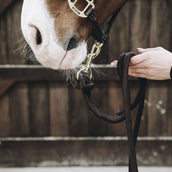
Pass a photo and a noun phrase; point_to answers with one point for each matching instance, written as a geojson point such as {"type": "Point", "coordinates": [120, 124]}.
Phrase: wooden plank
{"type": "Point", "coordinates": [139, 24]}
{"type": "Point", "coordinates": [169, 109]}
{"type": "Point", "coordinates": [4, 5]}
{"type": "Point", "coordinates": [5, 85]}
{"type": "Point", "coordinates": [4, 117]}
{"type": "Point", "coordinates": [139, 31]}
{"type": "Point", "coordinates": [34, 73]}
{"type": "Point", "coordinates": [77, 114]}
{"type": "Point", "coordinates": [158, 92]}
{"type": "Point", "coordinates": [19, 110]}
{"type": "Point", "coordinates": [69, 151]}
{"type": "Point", "coordinates": [157, 112]}
{"type": "Point", "coordinates": [118, 43]}
{"type": "Point", "coordinates": [115, 104]}
{"type": "Point", "coordinates": [39, 109]}
{"type": "Point", "coordinates": [3, 44]}
{"type": "Point", "coordinates": [58, 109]}
{"type": "Point", "coordinates": [13, 17]}
{"type": "Point", "coordinates": [119, 35]}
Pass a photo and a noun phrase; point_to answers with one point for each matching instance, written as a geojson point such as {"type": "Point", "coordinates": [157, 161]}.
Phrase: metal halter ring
{"type": "Point", "coordinates": [84, 13]}
{"type": "Point", "coordinates": [94, 53]}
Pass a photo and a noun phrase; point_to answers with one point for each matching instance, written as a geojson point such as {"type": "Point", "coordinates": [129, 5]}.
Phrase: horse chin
{"type": "Point", "coordinates": [55, 57]}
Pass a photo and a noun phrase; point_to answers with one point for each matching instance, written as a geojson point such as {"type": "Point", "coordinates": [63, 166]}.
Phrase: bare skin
{"type": "Point", "coordinates": [151, 63]}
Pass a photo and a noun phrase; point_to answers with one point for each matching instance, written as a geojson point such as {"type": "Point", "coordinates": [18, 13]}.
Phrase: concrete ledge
{"type": "Point", "coordinates": [86, 169]}
{"type": "Point", "coordinates": [74, 151]}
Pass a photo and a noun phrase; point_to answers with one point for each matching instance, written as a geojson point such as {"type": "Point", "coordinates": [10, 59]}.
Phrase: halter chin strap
{"type": "Point", "coordinates": [100, 35]}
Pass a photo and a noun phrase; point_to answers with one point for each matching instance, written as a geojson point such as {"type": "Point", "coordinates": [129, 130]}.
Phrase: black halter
{"type": "Point", "coordinates": [101, 35]}
{"type": "Point", "coordinates": [87, 85]}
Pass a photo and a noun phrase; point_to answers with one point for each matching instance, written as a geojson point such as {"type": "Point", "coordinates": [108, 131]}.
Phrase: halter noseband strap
{"type": "Point", "coordinates": [100, 35]}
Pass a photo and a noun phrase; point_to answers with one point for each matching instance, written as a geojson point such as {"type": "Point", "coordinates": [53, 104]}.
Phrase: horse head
{"type": "Point", "coordinates": [56, 35]}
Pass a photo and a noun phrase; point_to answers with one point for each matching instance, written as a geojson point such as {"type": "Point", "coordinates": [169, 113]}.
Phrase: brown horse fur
{"type": "Point", "coordinates": [68, 23]}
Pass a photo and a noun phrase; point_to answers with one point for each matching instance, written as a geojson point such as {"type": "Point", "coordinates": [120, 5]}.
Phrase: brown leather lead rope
{"type": "Point", "coordinates": [125, 114]}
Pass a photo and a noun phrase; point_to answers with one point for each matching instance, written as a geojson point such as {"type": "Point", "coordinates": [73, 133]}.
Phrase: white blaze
{"type": "Point", "coordinates": [50, 53]}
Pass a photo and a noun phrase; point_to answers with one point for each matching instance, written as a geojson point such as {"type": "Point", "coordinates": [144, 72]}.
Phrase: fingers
{"type": "Point", "coordinates": [136, 71]}
{"type": "Point", "coordinates": [133, 61]}
{"type": "Point", "coordinates": [143, 50]}
{"type": "Point", "coordinates": [140, 73]}
{"type": "Point", "coordinates": [114, 63]}
{"type": "Point", "coordinates": [138, 59]}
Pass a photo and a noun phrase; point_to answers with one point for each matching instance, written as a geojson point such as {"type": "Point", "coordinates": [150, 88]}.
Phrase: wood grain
{"type": "Point", "coordinates": [139, 24]}
{"type": "Point", "coordinates": [158, 92]}
{"type": "Point", "coordinates": [19, 110]}
{"type": "Point", "coordinates": [118, 43]}
{"type": "Point", "coordinates": [59, 104]}
{"type": "Point", "coordinates": [77, 114]}
{"type": "Point", "coordinates": [4, 5]}
{"type": "Point", "coordinates": [39, 109]}
{"type": "Point", "coordinates": [139, 37]}
{"type": "Point", "coordinates": [4, 116]}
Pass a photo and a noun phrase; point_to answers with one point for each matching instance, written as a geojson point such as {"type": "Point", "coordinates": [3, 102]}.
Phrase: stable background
{"type": "Point", "coordinates": [31, 110]}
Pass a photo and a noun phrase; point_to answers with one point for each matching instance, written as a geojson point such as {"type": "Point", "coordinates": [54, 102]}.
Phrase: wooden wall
{"type": "Point", "coordinates": [52, 109]}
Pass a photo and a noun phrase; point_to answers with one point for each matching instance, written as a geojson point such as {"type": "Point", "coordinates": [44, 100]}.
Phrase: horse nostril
{"type": "Point", "coordinates": [72, 43]}
{"type": "Point", "coordinates": [38, 37]}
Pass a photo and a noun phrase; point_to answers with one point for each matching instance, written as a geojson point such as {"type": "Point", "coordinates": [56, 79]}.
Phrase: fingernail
{"type": "Point", "coordinates": [140, 49]}
{"type": "Point", "coordinates": [114, 63]}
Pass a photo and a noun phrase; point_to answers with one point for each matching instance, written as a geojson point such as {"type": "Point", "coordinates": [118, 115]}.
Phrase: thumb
{"type": "Point", "coordinates": [143, 50]}
{"type": "Point", "coordinates": [114, 63]}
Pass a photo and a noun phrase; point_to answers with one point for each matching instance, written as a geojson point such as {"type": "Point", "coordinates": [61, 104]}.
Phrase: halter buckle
{"type": "Point", "coordinates": [96, 49]}
{"type": "Point", "coordinates": [84, 13]}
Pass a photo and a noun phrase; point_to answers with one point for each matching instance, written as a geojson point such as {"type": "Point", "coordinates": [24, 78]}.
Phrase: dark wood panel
{"type": "Point", "coordinates": [3, 43]}
{"type": "Point", "coordinates": [13, 17]}
{"type": "Point", "coordinates": [157, 111]}
{"type": "Point", "coordinates": [169, 109]}
{"type": "Point", "coordinates": [4, 116]}
{"type": "Point", "coordinates": [77, 114]}
{"type": "Point", "coordinates": [158, 92]}
{"type": "Point", "coordinates": [39, 109]}
{"type": "Point", "coordinates": [118, 43]}
{"type": "Point", "coordinates": [59, 104]}
{"type": "Point", "coordinates": [4, 4]}
{"type": "Point", "coordinates": [38, 73]}
{"type": "Point", "coordinates": [5, 85]}
{"type": "Point", "coordinates": [139, 24]}
{"type": "Point", "coordinates": [19, 110]}
{"type": "Point", "coordinates": [139, 37]}
{"type": "Point", "coordinates": [119, 36]}
{"type": "Point", "coordinates": [116, 104]}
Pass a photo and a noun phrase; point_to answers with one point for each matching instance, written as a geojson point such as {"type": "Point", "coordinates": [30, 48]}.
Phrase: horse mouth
{"type": "Point", "coordinates": [61, 63]}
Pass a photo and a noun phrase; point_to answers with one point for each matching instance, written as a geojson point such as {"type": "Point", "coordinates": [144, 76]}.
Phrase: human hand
{"type": "Point", "coordinates": [151, 63]}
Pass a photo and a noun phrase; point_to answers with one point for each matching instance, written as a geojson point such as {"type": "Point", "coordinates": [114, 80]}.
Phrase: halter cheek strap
{"type": "Point", "coordinates": [100, 35]}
